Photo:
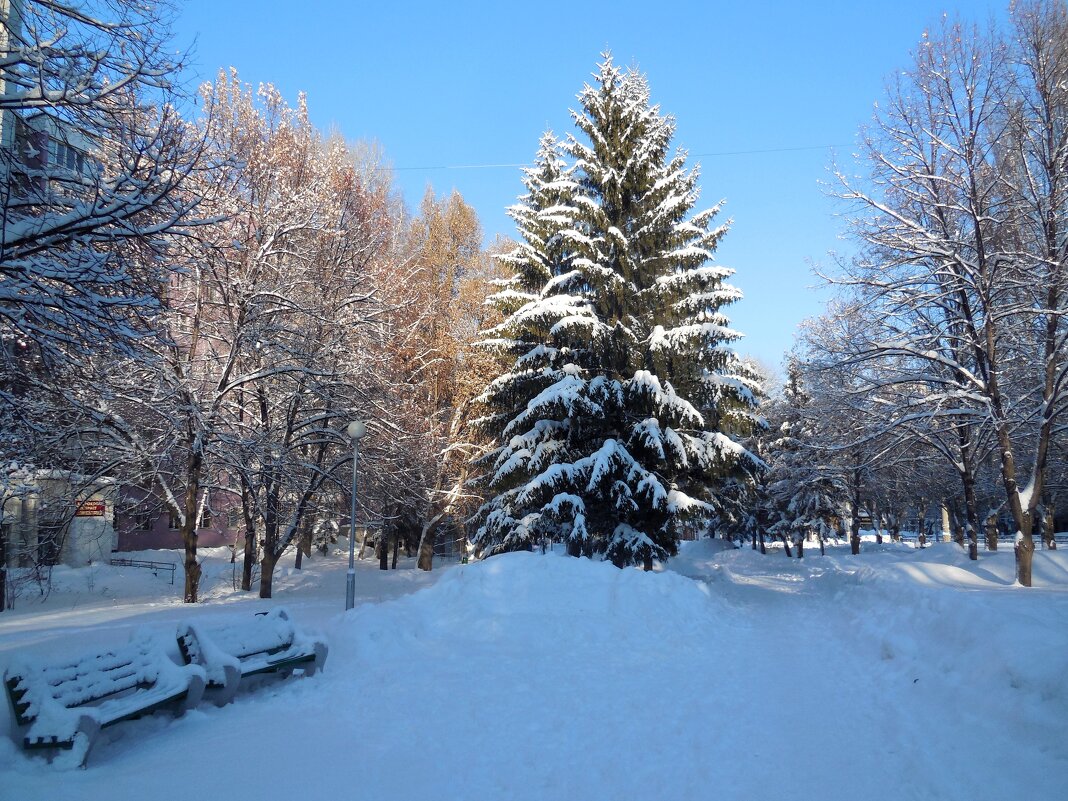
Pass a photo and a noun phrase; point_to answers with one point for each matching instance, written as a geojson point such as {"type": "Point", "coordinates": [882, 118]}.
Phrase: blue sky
{"type": "Point", "coordinates": [445, 85]}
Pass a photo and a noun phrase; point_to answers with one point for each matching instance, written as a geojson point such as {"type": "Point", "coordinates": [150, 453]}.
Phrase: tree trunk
{"type": "Point", "coordinates": [426, 549]}
{"type": "Point", "coordinates": [1024, 549]}
{"type": "Point", "coordinates": [823, 547]}
{"type": "Point", "coordinates": [270, 534]}
{"type": "Point", "coordinates": [958, 529]}
{"type": "Point", "coordinates": [973, 541]}
{"type": "Point", "coordinates": [249, 560]}
{"type": "Point", "coordinates": [1024, 543]}
{"type": "Point", "coordinates": [800, 543]}
{"type": "Point", "coordinates": [383, 550]}
{"type": "Point", "coordinates": [304, 544]}
{"type": "Point", "coordinates": [971, 513]}
{"type": "Point", "coordinates": [192, 569]}
{"type": "Point", "coordinates": [3, 570]}
{"type": "Point", "coordinates": [763, 547]}
{"type": "Point", "coordinates": [574, 548]}
{"type": "Point", "coordinates": [854, 522]}
{"type": "Point", "coordinates": [189, 526]}
{"type": "Point", "coordinates": [267, 565]}
{"type": "Point", "coordinates": [992, 532]}
{"type": "Point", "coordinates": [396, 550]}
{"type": "Point", "coordinates": [647, 563]}
{"type": "Point", "coordinates": [1049, 539]}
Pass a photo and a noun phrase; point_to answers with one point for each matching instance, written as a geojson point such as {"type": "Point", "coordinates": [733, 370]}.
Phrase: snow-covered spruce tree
{"type": "Point", "coordinates": [803, 494]}
{"type": "Point", "coordinates": [533, 301]}
{"type": "Point", "coordinates": [614, 428]}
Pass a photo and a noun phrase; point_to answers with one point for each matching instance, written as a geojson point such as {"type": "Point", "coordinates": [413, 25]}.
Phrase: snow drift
{"type": "Point", "coordinates": [545, 677]}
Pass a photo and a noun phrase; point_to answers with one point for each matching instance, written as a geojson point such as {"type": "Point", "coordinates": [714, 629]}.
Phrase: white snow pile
{"type": "Point", "coordinates": [895, 675]}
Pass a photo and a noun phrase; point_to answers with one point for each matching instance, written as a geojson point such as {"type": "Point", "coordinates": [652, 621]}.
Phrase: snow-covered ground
{"type": "Point", "coordinates": [899, 674]}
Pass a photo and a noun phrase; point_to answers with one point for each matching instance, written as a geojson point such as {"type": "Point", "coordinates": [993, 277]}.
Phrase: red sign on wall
{"type": "Point", "coordinates": [90, 509]}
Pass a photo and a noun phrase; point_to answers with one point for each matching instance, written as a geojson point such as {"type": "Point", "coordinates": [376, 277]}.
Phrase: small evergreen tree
{"type": "Point", "coordinates": [803, 495]}
{"type": "Point", "coordinates": [616, 424]}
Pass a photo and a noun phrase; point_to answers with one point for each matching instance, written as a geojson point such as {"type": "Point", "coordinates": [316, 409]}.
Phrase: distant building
{"type": "Point", "coordinates": [143, 522]}
{"type": "Point", "coordinates": [43, 157]}
{"type": "Point", "coordinates": [50, 517]}
{"type": "Point", "coordinates": [39, 148]}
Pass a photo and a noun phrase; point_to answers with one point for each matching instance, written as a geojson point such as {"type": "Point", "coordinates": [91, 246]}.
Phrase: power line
{"type": "Point", "coordinates": [712, 154]}
{"type": "Point", "coordinates": [460, 167]}
{"type": "Point", "coordinates": [765, 150]}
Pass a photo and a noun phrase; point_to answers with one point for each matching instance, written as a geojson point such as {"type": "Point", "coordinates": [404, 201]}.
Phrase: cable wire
{"type": "Point", "coordinates": [711, 154]}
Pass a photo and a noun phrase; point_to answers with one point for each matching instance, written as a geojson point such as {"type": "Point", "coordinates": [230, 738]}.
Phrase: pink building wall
{"type": "Point", "coordinates": [159, 534]}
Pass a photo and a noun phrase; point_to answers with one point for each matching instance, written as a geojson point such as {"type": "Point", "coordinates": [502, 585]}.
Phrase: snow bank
{"type": "Point", "coordinates": [897, 675]}
{"type": "Point", "coordinates": [992, 657]}
{"type": "Point", "coordinates": [546, 603]}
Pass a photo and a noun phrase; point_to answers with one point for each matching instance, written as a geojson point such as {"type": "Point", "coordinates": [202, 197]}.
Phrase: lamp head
{"type": "Point", "coordinates": [356, 429]}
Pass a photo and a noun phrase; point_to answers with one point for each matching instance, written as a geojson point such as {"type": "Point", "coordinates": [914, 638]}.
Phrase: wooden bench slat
{"type": "Point", "coordinates": [65, 705]}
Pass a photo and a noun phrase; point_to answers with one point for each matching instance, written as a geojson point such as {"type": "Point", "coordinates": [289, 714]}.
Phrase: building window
{"type": "Point", "coordinates": [175, 521]}
{"type": "Point", "coordinates": [143, 520]}
{"type": "Point", "coordinates": [66, 157]}
{"type": "Point", "coordinates": [205, 518]}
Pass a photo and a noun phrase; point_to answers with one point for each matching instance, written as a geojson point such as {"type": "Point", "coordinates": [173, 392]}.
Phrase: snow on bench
{"type": "Point", "coordinates": [266, 643]}
{"type": "Point", "coordinates": [64, 705]}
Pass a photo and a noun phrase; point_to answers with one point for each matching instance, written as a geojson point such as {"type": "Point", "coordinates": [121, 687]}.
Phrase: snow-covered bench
{"type": "Point", "coordinates": [266, 643]}
{"type": "Point", "coordinates": [64, 705]}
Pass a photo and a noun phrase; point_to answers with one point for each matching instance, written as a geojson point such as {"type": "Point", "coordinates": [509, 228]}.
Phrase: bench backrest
{"type": "Point", "coordinates": [263, 634]}
{"type": "Point", "coordinates": [35, 686]}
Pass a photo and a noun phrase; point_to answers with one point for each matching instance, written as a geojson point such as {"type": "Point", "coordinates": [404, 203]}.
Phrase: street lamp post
{"type": "Point", "coordinates": [356, 429]}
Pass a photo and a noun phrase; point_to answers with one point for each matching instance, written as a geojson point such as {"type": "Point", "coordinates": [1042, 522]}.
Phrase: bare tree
{"type": "Point", "coordinates": [94, 168]}
{"type": "Point", "coordinates": [256, 333]}
{"type": "Point", "coordinates": [963, 273]}
{"type": "Point", "coordinates": [93, 161]}
{"type": "Point", "coordinates": [453, 276]}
